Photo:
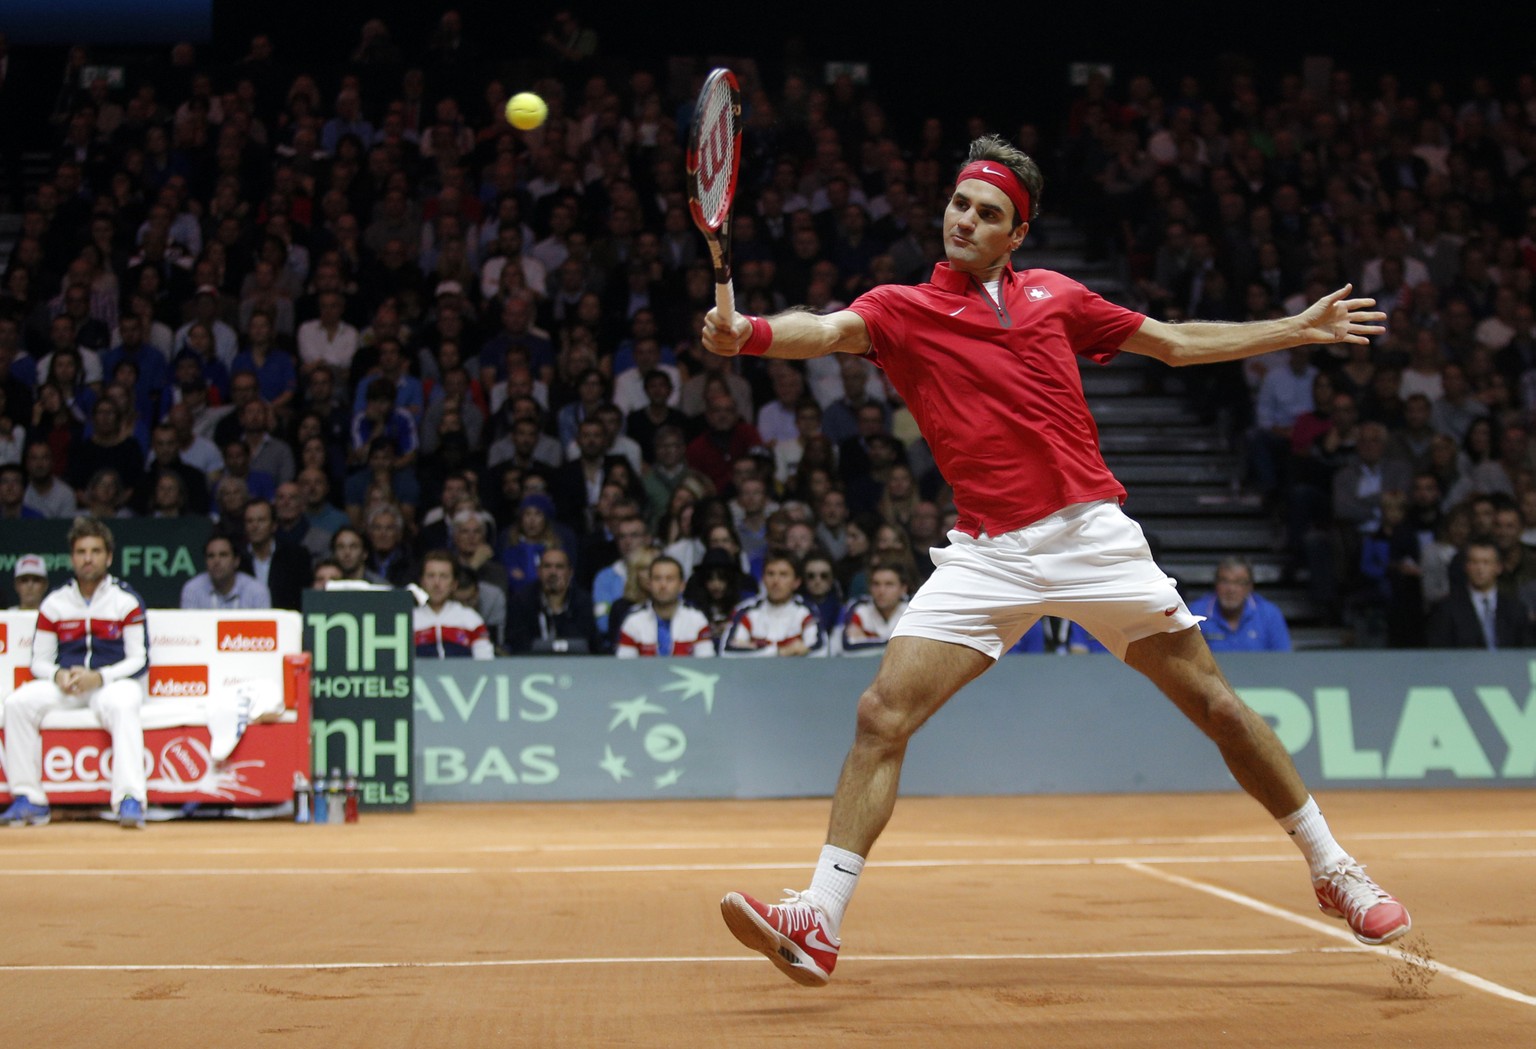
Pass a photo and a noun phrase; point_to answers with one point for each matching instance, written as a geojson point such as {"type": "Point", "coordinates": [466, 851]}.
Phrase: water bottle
{"type": "Point", "coordinates": [351, 798]}
{"type": "Point", "coordinates": [301, 798]}
{"type": "Point", "coordinates": [322, 788]}
{"type": "Point", "coordinates": [335, 802]}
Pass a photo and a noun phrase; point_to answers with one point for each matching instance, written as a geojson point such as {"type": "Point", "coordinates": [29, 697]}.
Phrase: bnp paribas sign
{"type": "Point", "coordinates": [1461, 723]}
{"type": "Point", "coordinates": [587, 727]}
{"type": "Point", "coordinates": [576, 728]}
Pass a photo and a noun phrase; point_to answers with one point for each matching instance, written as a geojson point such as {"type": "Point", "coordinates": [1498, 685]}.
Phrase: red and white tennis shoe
{"type": "Point", "coordinates": [1374, 915]}
{"type": "Point", "coordinates": [791, 934]}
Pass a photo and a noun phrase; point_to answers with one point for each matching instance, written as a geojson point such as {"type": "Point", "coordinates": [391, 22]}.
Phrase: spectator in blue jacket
{"type": "Point", "coordinates": [1237, 619]}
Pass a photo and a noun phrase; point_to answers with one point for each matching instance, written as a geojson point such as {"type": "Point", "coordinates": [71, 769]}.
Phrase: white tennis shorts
{"type": "Point", "coordinates": [1088, 563]}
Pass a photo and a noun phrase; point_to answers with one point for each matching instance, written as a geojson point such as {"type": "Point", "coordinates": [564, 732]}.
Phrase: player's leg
{"type": "Point", "coordinates": [799, 934]}
{"type": "Point", "coordinates": [118, 705]}
{"type": "Point", "coordinates": [917, 676]}
{"type": "Point", "coordinates": [1181, 665]}
{"type": "Point", "coordinates": [969, 612]}
{"type": "Point", "coordinates": [24, 712]}
{"type": "Point", "coordinates": [1148, 626]}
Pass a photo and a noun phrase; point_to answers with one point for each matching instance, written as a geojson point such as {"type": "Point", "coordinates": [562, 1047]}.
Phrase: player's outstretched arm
{"type": "Point", "coordinates": [1333, 318]}
{"type": "Point", "coordinates": [796, 334]}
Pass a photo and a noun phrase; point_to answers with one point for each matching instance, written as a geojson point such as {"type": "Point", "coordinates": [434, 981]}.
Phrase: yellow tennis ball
{"type": "Point", "coordinates": [526, 111]}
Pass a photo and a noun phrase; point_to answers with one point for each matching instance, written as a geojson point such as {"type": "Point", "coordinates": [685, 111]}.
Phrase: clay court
{"type": "Point", "coordinates": [1056, 921]}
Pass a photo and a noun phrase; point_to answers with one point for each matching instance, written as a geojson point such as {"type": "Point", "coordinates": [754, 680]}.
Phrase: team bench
{"type": "Point", "coordinates": [197, 660]}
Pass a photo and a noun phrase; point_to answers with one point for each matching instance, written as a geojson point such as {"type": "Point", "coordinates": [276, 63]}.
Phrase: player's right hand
{"type": "Point", "coordinates": [724, 340]}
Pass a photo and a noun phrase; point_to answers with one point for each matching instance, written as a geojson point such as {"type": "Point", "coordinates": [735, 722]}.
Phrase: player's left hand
{"type": "Point", "coordinates": [1338, 318]}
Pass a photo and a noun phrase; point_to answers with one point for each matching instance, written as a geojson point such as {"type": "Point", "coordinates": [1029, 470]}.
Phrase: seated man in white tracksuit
{"type": "Point", "coordinates": [91, 649]}
{"type": "Point", "coordinates": [867, 621]}
{"type": "Point", "coordinates": [666, 625]}
{"type": "Point", "coordinates": [779, 623]}
{"type": "Point", "coordinates": [444, 628]}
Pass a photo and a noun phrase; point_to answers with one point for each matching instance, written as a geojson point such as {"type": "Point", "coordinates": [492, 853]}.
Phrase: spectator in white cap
{"type": "Point", "coordinates": [448, 297]}
{"type": "Point", "coordinates": [31, 582]}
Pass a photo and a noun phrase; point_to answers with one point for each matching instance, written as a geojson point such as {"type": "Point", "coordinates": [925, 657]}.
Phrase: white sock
{"type": "Point", "coordinates": [1310, 832]}
{"type": "Point", "coordinates": [837, 875]}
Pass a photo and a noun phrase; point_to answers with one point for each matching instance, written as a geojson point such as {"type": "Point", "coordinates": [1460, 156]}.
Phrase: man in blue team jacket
{"type": "Point", "coordinates": [1237, 619]}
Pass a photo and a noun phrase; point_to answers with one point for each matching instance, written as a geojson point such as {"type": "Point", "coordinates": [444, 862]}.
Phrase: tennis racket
{"type": "Point", "coordinates": [714, 157]}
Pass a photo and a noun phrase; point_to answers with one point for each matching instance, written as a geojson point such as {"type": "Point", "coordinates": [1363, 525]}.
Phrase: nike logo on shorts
{"type": "Point", "coordinates": [958, 312]}
{"type": "Point", "coordinates": [1169, 611]}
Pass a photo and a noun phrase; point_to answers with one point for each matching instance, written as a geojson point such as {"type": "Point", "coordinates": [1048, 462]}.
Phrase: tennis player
{"type": "Point", "coordinates": [986, 358]}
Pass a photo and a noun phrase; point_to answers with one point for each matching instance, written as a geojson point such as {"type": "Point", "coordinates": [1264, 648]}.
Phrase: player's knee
{"type": "Point", "coordinates": [1225, 715]}
{"type": "Point", "coordinates": [882, 717]}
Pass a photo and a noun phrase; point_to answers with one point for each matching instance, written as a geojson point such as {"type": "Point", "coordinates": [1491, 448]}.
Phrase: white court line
{"type": "Point", "coordinates": [1492, 854]}
{"type": "Point", "coordinates": [502, 963]}
{"type": "Point", "coordinates": [246, 872]}
{"type": "Point", "coordinates": [1142, 865]}
{"type": "Point", "coordinates": [1335, 932]}
{"type": "Point", "coordinates": [715, 845]}
{"type": "Point", "coordinates": [1032, 843]}
{"type": "Point", "coordinates": [1191, 839]}
{"type": "Point", "coordinates": [798, 863]}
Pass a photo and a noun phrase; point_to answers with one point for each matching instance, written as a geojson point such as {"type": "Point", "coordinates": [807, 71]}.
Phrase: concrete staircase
{"type": "Point", "coordinates": [1182, 476]}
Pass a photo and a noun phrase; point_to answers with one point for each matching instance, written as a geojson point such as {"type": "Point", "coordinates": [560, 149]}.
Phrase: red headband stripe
{"type": "Point", "coordinates": [995, 174]}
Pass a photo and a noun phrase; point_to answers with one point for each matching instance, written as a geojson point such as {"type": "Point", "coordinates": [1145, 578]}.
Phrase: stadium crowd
{"type": "Point", "coordinates": [377, 334]}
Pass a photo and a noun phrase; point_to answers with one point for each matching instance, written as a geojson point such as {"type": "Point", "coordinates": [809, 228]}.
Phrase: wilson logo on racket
{"type": "Point", "coordinates": [716, 151]}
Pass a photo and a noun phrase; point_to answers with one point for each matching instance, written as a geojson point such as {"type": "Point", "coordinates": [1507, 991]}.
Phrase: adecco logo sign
{"type": "Point", "coordinates": [184, 761]}
{"type": "Point", "coordinates": [5, 638]}
{"type": "Point", "coordinates": [247, 635]}
{"type": "Point", "coordinates": [178, 682]}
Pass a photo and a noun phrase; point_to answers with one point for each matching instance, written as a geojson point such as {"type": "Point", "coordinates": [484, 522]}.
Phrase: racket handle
{"type": "Point", "coordinates": [725, 301]}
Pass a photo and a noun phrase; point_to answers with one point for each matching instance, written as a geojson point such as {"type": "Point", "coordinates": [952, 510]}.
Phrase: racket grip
{"type": "Point", "coordinates": [725, 301]}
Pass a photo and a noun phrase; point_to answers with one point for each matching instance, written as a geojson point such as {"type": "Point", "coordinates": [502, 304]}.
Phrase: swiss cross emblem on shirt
{"type": "Point", "coordinates": [1036, 294]}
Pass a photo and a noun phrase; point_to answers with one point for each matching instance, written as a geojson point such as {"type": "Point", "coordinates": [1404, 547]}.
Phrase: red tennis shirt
{"type": "Point", "coordinates": [994, 386]}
